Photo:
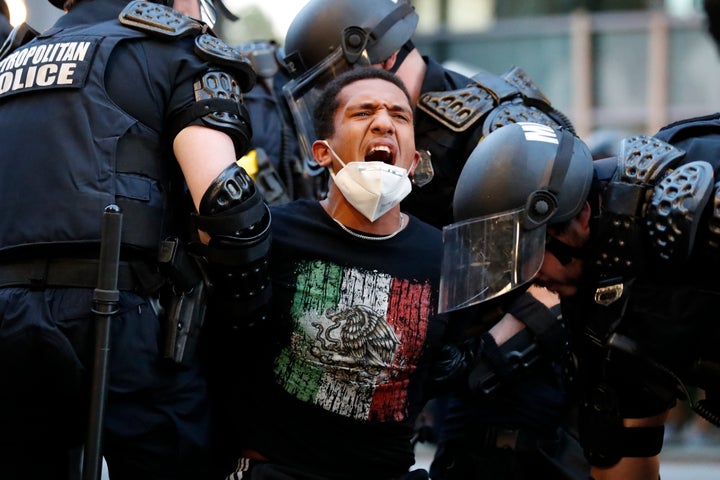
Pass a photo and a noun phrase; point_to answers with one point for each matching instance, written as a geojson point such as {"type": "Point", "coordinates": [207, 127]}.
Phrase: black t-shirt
{"type": "Point", "coordinates": [340, 383]}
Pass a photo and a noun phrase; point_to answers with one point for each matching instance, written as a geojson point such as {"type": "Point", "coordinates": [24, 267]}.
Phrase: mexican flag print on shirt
{"type": "Point", "coordinates": [357, 338]}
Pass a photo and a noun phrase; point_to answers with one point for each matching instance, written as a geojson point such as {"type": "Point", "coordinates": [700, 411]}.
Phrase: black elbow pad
{"type": "Point", "coordinates": [234, 214]}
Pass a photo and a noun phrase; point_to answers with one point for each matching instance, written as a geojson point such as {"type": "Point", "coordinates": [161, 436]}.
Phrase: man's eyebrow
{"type": "Point", "coordinates": [398, 107]}
{"type": "Point", "coordinates": [401, 108]}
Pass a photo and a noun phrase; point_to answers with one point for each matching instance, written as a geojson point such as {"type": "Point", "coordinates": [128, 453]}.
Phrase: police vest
{"type": "Point", "coordinates": [59, 176]}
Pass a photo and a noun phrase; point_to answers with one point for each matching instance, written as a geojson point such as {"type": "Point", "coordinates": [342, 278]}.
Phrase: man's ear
{"type": "Point", "coordinates": [322, 154]}
{"type": "Point", "coordinates": [416, 160]}
{"type": "Point", "coordinates": [583, 217]}
{"type": "Point", "coordinates": [389, 63]}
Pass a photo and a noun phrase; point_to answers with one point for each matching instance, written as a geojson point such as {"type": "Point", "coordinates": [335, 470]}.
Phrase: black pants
{"type": "Point", "coordinates": [156, 418]}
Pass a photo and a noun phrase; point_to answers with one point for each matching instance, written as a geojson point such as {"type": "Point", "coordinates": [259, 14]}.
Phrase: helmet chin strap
{"type": "Point", "coordinates": [225, 11]}
{"type": "Point", "coordinates": [404, 51]}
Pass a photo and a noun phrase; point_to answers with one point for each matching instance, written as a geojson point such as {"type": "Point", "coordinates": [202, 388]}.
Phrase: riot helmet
{"type": "Point", "coordinates": [520, 178]}
{"type": "Point", "coordinates": [329, 37]}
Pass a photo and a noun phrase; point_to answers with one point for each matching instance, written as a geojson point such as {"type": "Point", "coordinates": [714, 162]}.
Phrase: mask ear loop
{"type": "Point", "coordinates": [332, 152]}
{"type": "Point", "coordinates": [335, 156]}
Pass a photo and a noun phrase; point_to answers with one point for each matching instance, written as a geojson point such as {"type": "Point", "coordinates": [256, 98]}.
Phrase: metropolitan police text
{"type": "Point", "coordinates": [41, 65]}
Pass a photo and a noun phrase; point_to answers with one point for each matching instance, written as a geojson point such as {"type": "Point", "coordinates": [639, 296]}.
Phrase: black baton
{"type": "Point", "coordinates": [105, 304]}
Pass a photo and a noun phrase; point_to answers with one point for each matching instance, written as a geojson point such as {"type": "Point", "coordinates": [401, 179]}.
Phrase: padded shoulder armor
{"type": "Point", "coordinates": [457, 109]}
{"type": "Point", "coordinates": [213, 50]}
{"type": "Point", "coordinates": [641, 161]}
{"type": "Point", "coordinates": [517, 77]}
{"type": "Point", "coordinates": [495, 100]}
{"type": "Point", "coordinates": [675, 209]}
{"type": "Point", "coordinates": [650, 198]}
{"type": "Point", "coordinates": [162, 21]}
{"type": "Point", "coordinates": [159, 20]}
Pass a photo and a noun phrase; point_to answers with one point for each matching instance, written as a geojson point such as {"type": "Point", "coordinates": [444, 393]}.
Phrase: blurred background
{"type": "Point", "coordinates": [611, 65]}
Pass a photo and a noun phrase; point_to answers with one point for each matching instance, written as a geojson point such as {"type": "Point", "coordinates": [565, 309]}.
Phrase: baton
{"type": "Point", "coordinates": [105, 304]}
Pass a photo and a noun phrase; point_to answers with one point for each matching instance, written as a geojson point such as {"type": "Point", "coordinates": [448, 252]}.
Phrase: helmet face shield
{"type": "Point", "coordinates": [488, 256]}
{"type": "Point", "coordinates": [302, 94]}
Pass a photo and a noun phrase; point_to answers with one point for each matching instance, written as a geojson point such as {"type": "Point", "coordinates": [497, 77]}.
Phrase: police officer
{"type": "Point", "coordinates": [140, 106]}
{"type": "Point", "coordinates": [274, 160]}
{"type": "Point", "coordinates": [630, 245]}
{"type": "Point", "coordinates": [327, 37]}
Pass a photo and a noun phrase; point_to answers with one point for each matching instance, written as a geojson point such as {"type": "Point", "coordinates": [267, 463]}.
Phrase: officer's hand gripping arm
{"type": "Point", "coordinates": [484, 364]}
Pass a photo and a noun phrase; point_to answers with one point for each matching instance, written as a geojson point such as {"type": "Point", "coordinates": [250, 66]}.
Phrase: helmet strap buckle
{"type": "Point", "coordinates": [354, 42]}
{"type": "Point", "coordinates": [540, 207]}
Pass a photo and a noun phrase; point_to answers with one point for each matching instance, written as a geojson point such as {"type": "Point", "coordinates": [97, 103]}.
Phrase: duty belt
{"type": "Point", "coordinates": [60, 272]}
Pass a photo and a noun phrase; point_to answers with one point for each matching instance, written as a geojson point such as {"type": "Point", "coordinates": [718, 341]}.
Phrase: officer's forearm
{"type": "Point", "coordinates": [506, 328]}
{"type": "Point", "coordinates": [629, 468]}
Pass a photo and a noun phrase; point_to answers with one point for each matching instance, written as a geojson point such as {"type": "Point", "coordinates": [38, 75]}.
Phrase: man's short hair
{"type": "Point", "coordinates": [324, 113]}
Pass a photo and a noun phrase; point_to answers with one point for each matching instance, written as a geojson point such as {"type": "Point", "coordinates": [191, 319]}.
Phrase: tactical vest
{"type": "Point", "coordinates": [74, 162]}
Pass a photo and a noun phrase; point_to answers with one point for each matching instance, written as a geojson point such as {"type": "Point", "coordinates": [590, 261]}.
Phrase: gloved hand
{"type": "Point", "coordinates": [450, 366]}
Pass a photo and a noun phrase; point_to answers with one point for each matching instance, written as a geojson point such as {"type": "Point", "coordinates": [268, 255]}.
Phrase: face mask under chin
{"type": "Point", "coordinates": [373, 188]}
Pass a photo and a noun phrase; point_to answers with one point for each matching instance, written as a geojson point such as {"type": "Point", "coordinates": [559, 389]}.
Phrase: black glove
{"type": "Point", "coordinates": [450, 366]}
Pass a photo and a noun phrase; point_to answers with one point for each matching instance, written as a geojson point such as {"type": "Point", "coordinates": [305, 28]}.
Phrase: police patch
{"type": "Point", "coordinates": [46, 65]}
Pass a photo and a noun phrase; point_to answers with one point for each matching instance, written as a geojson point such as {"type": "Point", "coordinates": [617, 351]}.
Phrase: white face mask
{"type": "Point", "coordinates": [372, 188]}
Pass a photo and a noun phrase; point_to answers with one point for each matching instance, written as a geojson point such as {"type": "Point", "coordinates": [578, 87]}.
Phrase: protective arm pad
{"type": "Point", "coordinates": [217, 93]}
{"type": "Point", "coordinates": [233, 213]}
{"type": "Point", "coordinates": [218, 105]}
